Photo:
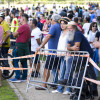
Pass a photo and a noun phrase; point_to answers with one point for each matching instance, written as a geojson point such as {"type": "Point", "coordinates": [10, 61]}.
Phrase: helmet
{"type": "Point", "coordinates": [2, 15]}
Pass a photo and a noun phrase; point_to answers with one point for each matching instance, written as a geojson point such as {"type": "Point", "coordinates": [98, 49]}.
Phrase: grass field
{"type": "Point", "coordinates": [6, 92]}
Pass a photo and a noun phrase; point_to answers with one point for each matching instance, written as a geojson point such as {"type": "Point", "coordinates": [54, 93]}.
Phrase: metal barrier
{"type": "Point", "coordinates": [76, 62]}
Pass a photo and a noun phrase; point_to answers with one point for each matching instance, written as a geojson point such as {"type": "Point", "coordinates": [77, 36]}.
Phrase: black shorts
{"type": "Point", "coordinates": [52, 62]}
{"type": "Point", "coordinates": [37, 59]}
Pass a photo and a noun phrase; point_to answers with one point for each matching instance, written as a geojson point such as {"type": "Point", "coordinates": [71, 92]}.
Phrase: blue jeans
{"type": "Point", "coordinates": [71, 66]}
{"type": "Point", "coordinates": [62, 74]}
{"type": "Point", "coordinates": [24, 64]}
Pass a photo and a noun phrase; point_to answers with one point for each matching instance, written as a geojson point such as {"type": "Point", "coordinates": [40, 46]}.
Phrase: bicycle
{"type": "Point", "coordinates": [7, 63]}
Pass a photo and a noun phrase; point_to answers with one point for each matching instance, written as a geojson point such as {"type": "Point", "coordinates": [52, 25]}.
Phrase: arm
{"type": "Point", "coordinates": [73, 48]}
{"type": "Point", "coordinates": [44, 42]}
{"type": "Point", "coordinates": [15, 34]}
{"type": "Point", "coordinates": [7, 36]}
{"type": "Point", "coordinates": [38, 41]}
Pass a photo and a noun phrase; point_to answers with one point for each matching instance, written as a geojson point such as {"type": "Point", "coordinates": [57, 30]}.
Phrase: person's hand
{"type": "Point", "coordinates": [75, 48]}
{"type": "Point", "coordinates": [38, 49]}
{"type": "Point", "coordinates": [96, 44]}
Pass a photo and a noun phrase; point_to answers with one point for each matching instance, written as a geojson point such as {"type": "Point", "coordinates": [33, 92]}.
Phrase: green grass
{"type": "Point", "coordinates": [6, 92]}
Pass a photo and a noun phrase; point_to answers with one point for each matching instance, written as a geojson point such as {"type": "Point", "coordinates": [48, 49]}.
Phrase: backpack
{"type": "Point", "coordinates": [86, 93]}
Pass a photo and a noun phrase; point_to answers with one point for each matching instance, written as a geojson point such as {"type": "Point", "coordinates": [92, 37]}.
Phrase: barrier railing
{"type": "Point", "coordinates": [76, 62]}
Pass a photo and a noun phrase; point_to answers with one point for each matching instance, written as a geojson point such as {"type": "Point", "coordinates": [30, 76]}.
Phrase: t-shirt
{"type": "Point", "coordinates": [5, 26]}
{"type": "Point", "coordinates": [62, 44]}
{"type": "Point", "coordinates": [35, 35]}
{"type": "Point", "coordinates": [38, 14]}
{"type": "Point", "coordinates": [55, 31]}
{"type": "Point", "coordinates": [43, 21]}
{"type": "Point", "coordinates": [98, 35]}
{"type": "Point", "coordinates": [24, 33]}
{"type": "Point", "coordinates": [86, 27]}
{"type": "Point", "coordinates": [84, 44]}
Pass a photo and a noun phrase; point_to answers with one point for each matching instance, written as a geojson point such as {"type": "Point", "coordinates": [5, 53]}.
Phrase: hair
{"type": "Point", "coordinates": [7, 12]}
{"type": "Point", "coordinates": [51, 12]}
{"type": "Point", "coordinates": [42, 15]}
{"type": "Point", "coordinates": [88, 19]}
{"type": "Point", "coordinates": [70, 16]}
{"type": "Point", "coordinates": [22, 11]}
{"type": "Point", "coordinates": [75, 27]}
{"type": "Point", "coordinates": [76, 19]}
{"type": "Point", "coordinates": [13, 12]}
{"type": "Point", "coordinates": [26, 16]}
{"type": "Point", "coordinates": [34, 22]}
{"type": "Point", "coordinates": [92, 25]}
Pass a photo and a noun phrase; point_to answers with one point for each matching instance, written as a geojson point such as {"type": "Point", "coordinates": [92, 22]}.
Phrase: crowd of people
{"type": "Point", "coordinates": [70, 28]}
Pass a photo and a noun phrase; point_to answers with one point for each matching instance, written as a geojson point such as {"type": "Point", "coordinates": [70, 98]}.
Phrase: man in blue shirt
{"type": "Point", "coordinates": [52, 39]}
{"type": "Point", "coordinates": [77, 42]}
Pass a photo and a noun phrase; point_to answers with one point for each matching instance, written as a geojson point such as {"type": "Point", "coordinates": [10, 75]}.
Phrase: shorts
{"type": "Point", "coordinates": [37, 59]}
{"type": "Point", "coordinates": [52, 62]}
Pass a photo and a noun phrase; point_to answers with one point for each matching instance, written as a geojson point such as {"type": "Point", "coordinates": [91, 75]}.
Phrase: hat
{"type": "Point", "coordinates": [94, 20]}
{"type": "Point", "coordinates": [64, 14]}
{"type": "Point", "coordinates": [65, 19]}
{"type": "Point", "coordinates": [71, 23]}
{"type": "Point", "coordinates": [56, 17]}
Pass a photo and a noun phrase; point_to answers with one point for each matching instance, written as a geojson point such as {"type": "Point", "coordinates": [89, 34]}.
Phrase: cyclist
{"type": "Point", "coordinates": [6, 39]}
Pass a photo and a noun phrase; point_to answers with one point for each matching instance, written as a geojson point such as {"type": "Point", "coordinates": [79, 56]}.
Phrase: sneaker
{"type": "Point", "coordinates": [55, 91]}
{"type": "Point", "coordinates": [14, 80]}
{"type": "Point", "coordinates": [23, 80]}
{"type": "Point", "coordinates": [67, 92]}
{"type": "Point", "coordinates": [62, 82]}
{"type": "Point", "coordinates": [35, 74]}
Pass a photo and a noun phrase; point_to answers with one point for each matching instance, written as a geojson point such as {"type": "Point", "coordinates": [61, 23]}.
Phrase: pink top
{"type": "Point", "coordinates": [1, 35]}
{"type": "Point", "coordinates": [24, 33]}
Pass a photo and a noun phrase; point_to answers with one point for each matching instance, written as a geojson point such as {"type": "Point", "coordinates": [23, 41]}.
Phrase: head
{"type": "Point", "coordinates": [42, 16]}
{"type": "Point", "coordinates": [87, 19]}
{"type": "Point", "coordinates": [63, 14]}
{"type": "Point", "coordinates": [71, 29]}
{"type": "Point", "coordinates": [55, 19]}
{"type": "Point", "coordinates": [33, 23]}
{"type": "Point", "coordinates": [76, 20]}
{"type": "Point", "coordinates": [13, 14]}
{"type": "Point", "coordinates": [2, 16]}
{"type": "Point", "coordinates": [24, 18]}
{"type": "Point", "coordinates": [21, 12]}
{"type": "Point", "coordinates": [6, 12]}
{"type": "Point", "coordinates": [93, 26]}
{"type": "Point", "coordinates": [70, 16]}
{"type": "Point", "coordinates": [63, 22]}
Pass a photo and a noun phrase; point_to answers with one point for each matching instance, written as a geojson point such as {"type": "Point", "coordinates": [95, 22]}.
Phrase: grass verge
{"type": "Point", "coordinates": [6, 92]}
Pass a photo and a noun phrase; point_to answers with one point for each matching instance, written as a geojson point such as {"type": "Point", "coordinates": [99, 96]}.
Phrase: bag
{"type": "Point", "coordinates": [87, 92]}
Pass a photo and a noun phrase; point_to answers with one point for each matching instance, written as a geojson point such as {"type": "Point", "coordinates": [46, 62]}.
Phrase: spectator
{"type": "Point", "coordinates": [35, 42]}
{"type": "Point", "coordinates": [52, 39]}
{"type": "Point", "coordinates": [22, 47]}
{"type": "Point", "coordinates": [77, 42]}
{"type": "Point", "coordinates": [42, 19]}
{"type": "Point", "coordinates": [86, 26]}
{"type": "Point", "coordinates": [6, 40]}
{"type": "Point", "coordinates": [62, 46]}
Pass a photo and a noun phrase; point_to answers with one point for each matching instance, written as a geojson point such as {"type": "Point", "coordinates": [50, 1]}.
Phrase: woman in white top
{"type": "Point", "coordinates": [62, 45]}
{"type": "Point", "coordinates": [7, 17]}
{"type": "Point", "coordinates": [92, 33]}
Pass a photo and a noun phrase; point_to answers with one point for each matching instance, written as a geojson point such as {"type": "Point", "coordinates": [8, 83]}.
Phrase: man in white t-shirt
{"type": "Point", "coordinates": [86, 14]}
{"type": "Point", "coordinates": [35, 42]}
{"type": "Point", "coordinates": [98, 14]}
{"type": "Point", "coordinates": [86, 26]}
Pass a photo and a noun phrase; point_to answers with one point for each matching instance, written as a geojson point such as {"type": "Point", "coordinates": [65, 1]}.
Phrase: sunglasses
{"type": "Point", "coordinates": [94, 26]}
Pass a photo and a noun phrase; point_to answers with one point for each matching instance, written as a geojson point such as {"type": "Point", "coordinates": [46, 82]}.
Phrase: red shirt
{"type": "Point", "coordinates": [24, 34]}
{"type": "Point", "coordinates": [43, 21]}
